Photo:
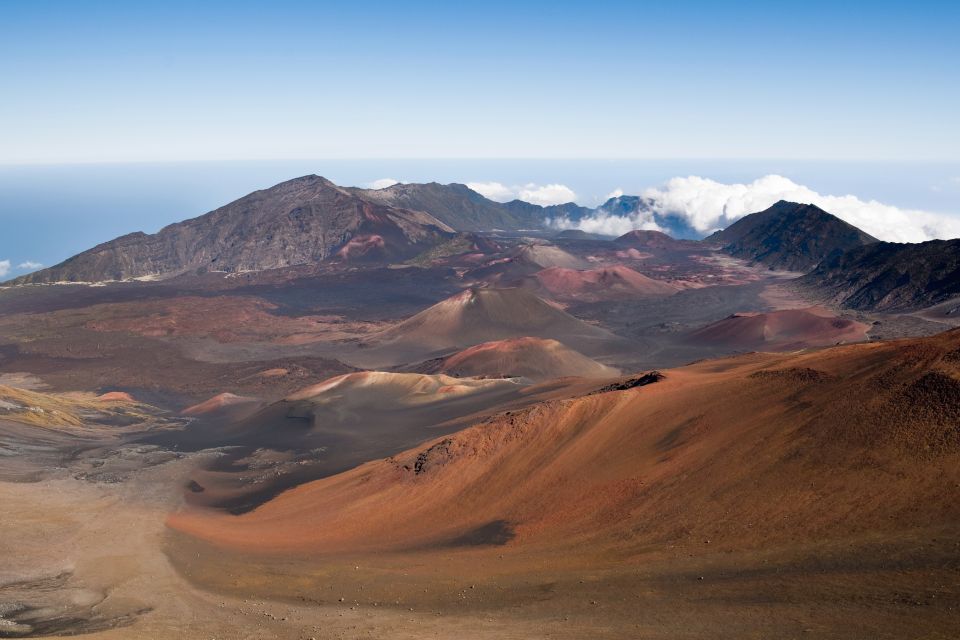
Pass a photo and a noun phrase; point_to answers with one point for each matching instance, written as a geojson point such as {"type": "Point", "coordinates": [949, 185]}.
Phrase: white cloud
{"type": "Point", "coordinates": [543, 195]}
{"type": "Point", "coordinates": [29, 264]}
{"type": "Point", "coordinates": [707, 205]}
{"type": "Point", "coordinates": [609, 224]}
{"type": "Point", "coordinates": [547, 195]}
{"type": "Point", "coordinates": [493, 190]}
{"type": "Point", "coordinates": [4, 267]}
{"type": "Point", "coordinates": [383, 183]}
{"type": "Point", "coordinates": [616, 193]}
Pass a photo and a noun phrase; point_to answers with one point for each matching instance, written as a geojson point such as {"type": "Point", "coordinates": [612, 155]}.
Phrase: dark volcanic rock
{"type": "Point", "coordinates": [790, 237]}
{"type": "Point", "coordinates": [888, 276]}
{"type": "Point", "coordinates": [641, 380]}
{"type": "Point", "coordinates": [301, 221]}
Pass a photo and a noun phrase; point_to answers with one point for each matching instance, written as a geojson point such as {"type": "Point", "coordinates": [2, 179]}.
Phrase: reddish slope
{"type": "Point", "coordinates": [751, 452]}
{"type": "Point", "coordinates": [221, 402]}
{"type": "Point", "coordinates": [781, 330]}
{"type": "Point", "coordinates": [480, 315]}
{"type": "Point", "coordinates": [533, 358]}
{"type": "Point", "coordinates": [548, 256]}
{"type": "Point", "coordinates": [601, 284]}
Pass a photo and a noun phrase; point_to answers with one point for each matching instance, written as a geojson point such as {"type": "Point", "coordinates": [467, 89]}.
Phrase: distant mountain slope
{"type": "Point", "coordinates": [790, 236]}
{"type": "Point", "coordinates": [301, 221]}
{"type": "Point", "coordinates": [887, 276]}
{"type": "Point", "coordinates": [462, 208]}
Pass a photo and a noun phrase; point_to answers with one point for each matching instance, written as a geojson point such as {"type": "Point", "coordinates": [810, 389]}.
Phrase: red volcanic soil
{"type": "Point", "coordinates": [224, 318]}
{"type": "Point", "coordinates": [115, 396]}
{"type": "Point", "coordinates": [529, 259]}
{"type": "Point", "coordinates": [339, 423]}
{"type": "Point", "coordinates": [361, 247]}
{"type": "Point", "coordinates": [757, 452]}
{"type": "Point", "coordinates": [479, 315]}
{"type": "Point", "coordinates": [218, 403]}
{"type": "Point", "coordinates": [781, 330]}
{"type": "Point", "coordinates": [605, 283]}
{"type": "Point", "coordinates": [533, 358]}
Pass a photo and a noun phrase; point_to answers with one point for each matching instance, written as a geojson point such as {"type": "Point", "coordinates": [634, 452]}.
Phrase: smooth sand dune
{"type": "Point", "coordinates": [532, 358]}
{"type": "Point", "coordinates": [604, 283]}
{"type": "Point", "coordinates": [781, 330]}
{"type": "Point", "coordinates": [759, 451]}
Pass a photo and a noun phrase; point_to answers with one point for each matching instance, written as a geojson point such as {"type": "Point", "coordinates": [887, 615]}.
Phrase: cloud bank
{"type": "Point", "coordinates": [706, 205]}
{"type": "Point", "coordinates": [494, 191]}
{"type": "Point", "coordinates": [547, 194]}
{"type": "Point", "coordinates": [4, 267]}
{"type": "Point", "coordinates": [29, 265]}
{"type": "Point", "coordinates": [383, 183]}
{"type": "Point", "coordinates": [543, 195]}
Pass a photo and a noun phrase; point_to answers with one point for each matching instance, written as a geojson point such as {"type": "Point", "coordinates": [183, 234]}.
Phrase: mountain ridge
{"type": "Point", "coordinates": [464, 209]}
{"type": "Point", "coordinates": [300, 221]}
{"type": "Point", "coordinates": [789, 236]}
{"type": "Point", "coordinates": [887, 276]}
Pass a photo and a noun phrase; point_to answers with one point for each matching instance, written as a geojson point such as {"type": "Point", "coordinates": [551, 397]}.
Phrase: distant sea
{"type": "Point", "coordinates": [50, 212]}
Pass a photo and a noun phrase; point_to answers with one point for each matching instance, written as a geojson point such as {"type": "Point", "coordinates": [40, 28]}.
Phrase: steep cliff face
{"type": "Point", "coordinates": [790, 237]}
{"type": "Point", "coordinates": [887, 276]}
{"type": "Point", "coordinates": [301, 221]}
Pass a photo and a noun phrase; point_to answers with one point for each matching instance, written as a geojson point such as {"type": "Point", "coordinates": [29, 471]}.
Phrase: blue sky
{"type": "Point", "coordinates": [173, 81]}
{"type": "Point", "coordinates": [174, 108]}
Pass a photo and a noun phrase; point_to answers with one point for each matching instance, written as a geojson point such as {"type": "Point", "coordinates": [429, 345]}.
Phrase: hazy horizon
{"type": "Point", "coordinates": [81, 205]}
{"type": "Point", "coordinates": [119, 118]}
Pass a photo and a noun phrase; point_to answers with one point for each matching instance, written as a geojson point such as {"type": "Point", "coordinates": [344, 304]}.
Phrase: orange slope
{"type": "Point", "coordinates": [746, 452]}
{"type": "Point", "coordinates": [781, 330]}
